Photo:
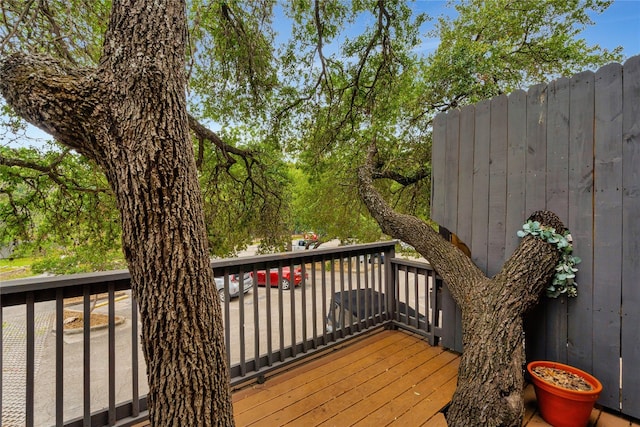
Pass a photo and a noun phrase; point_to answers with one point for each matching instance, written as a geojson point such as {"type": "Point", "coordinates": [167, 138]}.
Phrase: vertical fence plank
{"type": "Point", "coordinates": [536, 148]}
{"type": "Point", "coordinates": [451, 165]}
{"type": "Point", "coordinates": [438, 152]}
{"type": "Point", "coordinates": [479, 229]}
{"type": "Point", "coordinates": [558, 202]}
{"type": "Point", "coordinates": [465, 185]}
{"type": "Point", "coordinates": [497, 185]}
{"type": "Point", "coordinates": [451, 185]}
{"type": "Point", "coordinates": [536, 159]}
{"type": "Point", "coordinates": [580, 222]}
{"type": "Point", "coordinates": [516, 167]}
{"type": "Point", "coordinates": [608, 231]}
{"type": "Point", "coordinates": [631, 235]}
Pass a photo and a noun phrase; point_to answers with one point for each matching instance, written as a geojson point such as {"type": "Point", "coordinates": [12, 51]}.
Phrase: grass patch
{"type": "Point", "coordinates": [15, 268]}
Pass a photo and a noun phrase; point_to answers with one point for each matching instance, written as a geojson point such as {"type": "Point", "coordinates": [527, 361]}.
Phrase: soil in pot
{"type": "Point", "coordinates": [562, 378]}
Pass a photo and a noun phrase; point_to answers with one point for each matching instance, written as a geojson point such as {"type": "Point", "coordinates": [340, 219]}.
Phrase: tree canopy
{"type": "Point", "coordinates": [281, 86]}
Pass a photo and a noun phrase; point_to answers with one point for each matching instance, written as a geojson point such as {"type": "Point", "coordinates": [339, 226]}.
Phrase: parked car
{"type": "Point", "coordinates": [284, 281]}
{"type": "Point", "coordinates": [234, 285]}
{"type": "Point", "coordinates": [351, 307]}
{"type": "Point", "coordinates": [303, 244]}
{"type": "Point", "coordinates": [299, 245]}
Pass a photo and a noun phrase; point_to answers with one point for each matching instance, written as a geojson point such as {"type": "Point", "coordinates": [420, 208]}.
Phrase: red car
{"type": "Point", "coordinates": [285, 280]}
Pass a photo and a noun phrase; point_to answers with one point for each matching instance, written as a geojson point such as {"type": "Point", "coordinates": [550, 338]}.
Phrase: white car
{"type": "Point", "coordinates": [234, 285]}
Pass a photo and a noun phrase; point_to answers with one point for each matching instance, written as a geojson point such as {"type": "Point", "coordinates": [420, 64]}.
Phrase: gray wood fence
{"type": "Point", "coordinates": [571, 146]}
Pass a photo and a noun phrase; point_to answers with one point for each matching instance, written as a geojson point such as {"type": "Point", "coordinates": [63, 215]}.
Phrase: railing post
{"type": "Point", "coordinates": [390, 282]}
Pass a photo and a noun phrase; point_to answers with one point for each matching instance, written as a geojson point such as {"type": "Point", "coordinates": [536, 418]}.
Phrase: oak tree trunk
{"type": "Point", "coordinates": [490, 376]}
{"type": "Point", "coordinates": [129, 115]}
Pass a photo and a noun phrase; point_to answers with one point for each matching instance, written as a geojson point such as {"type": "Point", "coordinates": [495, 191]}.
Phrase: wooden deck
{"type": "Point", "coordinates": [384, 378]}
{"type": "Point", "coordinates": [387, 377]}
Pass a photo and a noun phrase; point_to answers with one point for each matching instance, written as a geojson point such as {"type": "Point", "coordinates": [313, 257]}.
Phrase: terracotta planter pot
{"type": "Point", "coordinates": [560, 406]}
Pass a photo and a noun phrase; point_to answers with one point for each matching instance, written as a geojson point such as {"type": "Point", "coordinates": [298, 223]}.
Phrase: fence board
{"type": "Point", "coordinates": [438, 151]}
{"type": "Point", "coordinates": [535, 199]}
{"type": "Point", "coordinates": [558, 202]}
{"type": "Point", "coordinates": [631, 232]}
{"type": "Point", "coordinates": [465, 185]}
{"type": "Point", "coordinates": [581, 152]}
{"type": "Point", "coordinates": [451, 170]}
{"type": "Point", "coordinates": [465, 192]}
{"type": "Point", "coordinates": [516, 168]}
{"type": "Point", "coordinates": [536, 148]}
{"type": "Point", "coordinates": [479, 228]}
{"type": "Point", "coordinates": [497, 184]}
{"type": "Point", "coordinates": [608, 230]}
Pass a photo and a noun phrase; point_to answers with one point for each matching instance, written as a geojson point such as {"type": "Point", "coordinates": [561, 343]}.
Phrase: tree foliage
{"type": "Point", "coordinates": [344, 91]}
{"type": "Point", "coordinates": [297, 78]}
{"type": "Point", "coordinates": [232, 73]}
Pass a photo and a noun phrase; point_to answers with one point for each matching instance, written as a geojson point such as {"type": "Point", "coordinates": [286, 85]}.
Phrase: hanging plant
{"type": "Point", "coordinates": [564, 279]}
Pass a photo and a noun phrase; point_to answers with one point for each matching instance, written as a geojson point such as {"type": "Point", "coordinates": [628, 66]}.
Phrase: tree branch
{"type": "Point", "coordinates": [56, 98]}
{"type": "Point", "coordinates": [450, 262]}
{"type": "Point", "coordinates": [399, 178]}
{"type": "Point", "coordinates": [204, 133]}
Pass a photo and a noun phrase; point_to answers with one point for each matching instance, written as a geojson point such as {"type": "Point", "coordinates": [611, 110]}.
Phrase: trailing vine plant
{"type": "Point", "coordinates": [564, 279]}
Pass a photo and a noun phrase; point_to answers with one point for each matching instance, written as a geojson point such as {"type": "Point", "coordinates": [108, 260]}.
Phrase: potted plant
{"type": "Point", "coordinates": [565, 394]}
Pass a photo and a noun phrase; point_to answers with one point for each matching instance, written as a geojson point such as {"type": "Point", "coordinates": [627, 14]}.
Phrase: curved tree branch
{"type": "Point", "coordinates": [54, 97]}
{"type": "Point", "coordinates": [203, 133]}
{"type": "Point", "coordinates": [404, 180]}
{"type": "Point", "coordinates": [450, 262]}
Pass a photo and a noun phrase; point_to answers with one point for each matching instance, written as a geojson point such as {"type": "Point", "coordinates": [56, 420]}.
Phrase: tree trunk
{"type": "Point", "coordinates": [129, 115]}
{"type": "Point", "coordinates": [490, 376]}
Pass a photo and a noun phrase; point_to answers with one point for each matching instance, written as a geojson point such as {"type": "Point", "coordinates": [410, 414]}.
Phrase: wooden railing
{"type": "Point", "coordinates": [94, 376]}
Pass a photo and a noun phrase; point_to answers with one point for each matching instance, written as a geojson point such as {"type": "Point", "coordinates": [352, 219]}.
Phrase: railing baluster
{"type": "Point", "coordinates": [1, 351]}
{"type": "Point", "coordinates": [350, 289]}
{"type": "Point", "coordinates": [323, 284]}
{"type": "Point", "coordinates": [31, 368]}
{"type": "Point", "coordinates": [382, 306]}
{"type": "Point", "coordinates": [281, 312]}
{"type": "Point", "coordinates": [292, 302]}
{"type": "Point", "coordinates": [303, 306]}
{"type": "Point", "coordinates": [226, 315]}
{"type": "Point", "coordinates": [416, 298]}
{"type": "Point", "coordinates": [314, 305]}
{"type": "Point", "coordinates": [256, 321]}
{"type": "Point", "coordinates": [86, 345]}
{"type": "Point", "coordinates": [332, 281]}
{"type": "Point", "coordinates": [406, 297]}
{"type": "Point", "coordinates": [135, 377]}
{"type": "Point", "coordinates": [241, 330]}
{"type": "Point", "coordinates": [112, 354]}
{"type": "Point", "coordinates": [59, 357]}
{"type": "Point", "coordinates": [267, 289]}
{"type": "Point", "coordinates": [344, 331]}
{"type": "Point", "coordinates": [359, 290]}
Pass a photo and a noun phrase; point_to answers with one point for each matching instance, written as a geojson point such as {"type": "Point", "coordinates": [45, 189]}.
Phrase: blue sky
{"type": "Point", "coordinates": [619, 25]}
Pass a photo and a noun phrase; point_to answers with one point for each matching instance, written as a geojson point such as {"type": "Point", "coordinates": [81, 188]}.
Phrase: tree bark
{"type": "Point", "coordinates": [129, 115]}
{"type": "Point", "coordinates": [490, 376]}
